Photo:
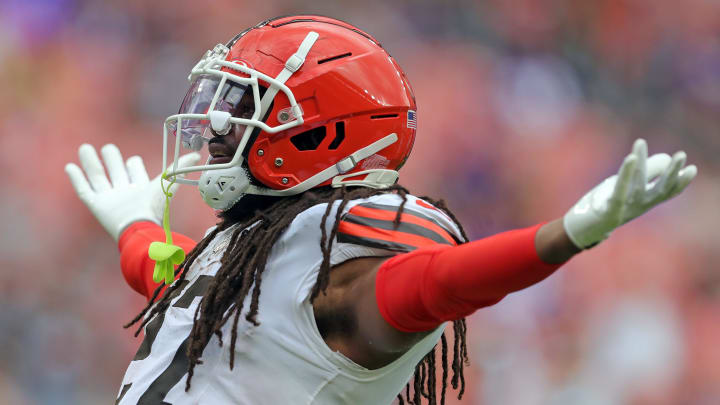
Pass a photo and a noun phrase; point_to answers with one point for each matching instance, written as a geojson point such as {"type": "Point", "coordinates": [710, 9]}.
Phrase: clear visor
{"type": "Point", "coordinates": [221, 102]}
{"type": "Point", "coordinates": [234, 98]}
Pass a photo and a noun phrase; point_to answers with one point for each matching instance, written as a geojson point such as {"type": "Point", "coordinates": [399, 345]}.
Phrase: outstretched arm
{"type": "Point", "coordinates": [398, 301]}
{"type": "Point", "coordinates": [404, 297]}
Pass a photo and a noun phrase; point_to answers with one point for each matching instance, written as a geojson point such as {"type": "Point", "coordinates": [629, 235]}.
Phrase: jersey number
{"type": "Point", "coordinates": [159, 388]}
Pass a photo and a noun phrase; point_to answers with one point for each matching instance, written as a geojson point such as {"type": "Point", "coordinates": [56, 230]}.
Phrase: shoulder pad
{"type": "Point", "coordinates": [371, 222]}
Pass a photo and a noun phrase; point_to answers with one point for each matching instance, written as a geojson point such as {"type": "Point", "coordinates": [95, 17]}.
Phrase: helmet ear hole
{"type": "Point", "coordinates": [339, 135]}
{"type": "Point", "coordinates": [309, 140]}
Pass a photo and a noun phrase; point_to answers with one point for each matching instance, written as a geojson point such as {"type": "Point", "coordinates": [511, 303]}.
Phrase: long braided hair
{"type": "Point", "coordinates": [241, 270]}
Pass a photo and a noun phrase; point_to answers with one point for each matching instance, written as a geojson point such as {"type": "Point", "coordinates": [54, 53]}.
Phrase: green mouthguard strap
{"type": "Point", "coordinates": [166, 255]}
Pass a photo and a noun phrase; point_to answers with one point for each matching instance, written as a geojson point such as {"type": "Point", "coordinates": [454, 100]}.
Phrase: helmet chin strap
{"type": "Point", "coordinates": [376, 178]}
{"type": "Point", "coordinates": [222, 188]}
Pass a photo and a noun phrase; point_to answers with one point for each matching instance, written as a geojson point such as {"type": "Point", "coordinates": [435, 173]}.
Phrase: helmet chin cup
{"type": "Point", "coordinates": [222, 188]}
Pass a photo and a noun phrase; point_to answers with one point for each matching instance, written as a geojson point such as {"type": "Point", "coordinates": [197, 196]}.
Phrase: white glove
{"type": "Point", "coordinates": [641, 184]}
{"type": "Point", "coordinates": [131, 197]}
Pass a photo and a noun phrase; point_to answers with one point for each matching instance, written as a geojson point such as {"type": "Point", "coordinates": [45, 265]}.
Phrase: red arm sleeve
{"type": "Point", "coordinates": [137, 268]}
{"type": "Point", "coordinates": [418, 291]}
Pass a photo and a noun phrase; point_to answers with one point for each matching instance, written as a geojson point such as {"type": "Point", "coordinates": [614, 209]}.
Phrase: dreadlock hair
{"type": "Point", "coordinates": [261, 222]}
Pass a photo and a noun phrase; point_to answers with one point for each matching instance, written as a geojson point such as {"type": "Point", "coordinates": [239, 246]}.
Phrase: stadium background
{"type": "Point", "coordinates": [524, 105]}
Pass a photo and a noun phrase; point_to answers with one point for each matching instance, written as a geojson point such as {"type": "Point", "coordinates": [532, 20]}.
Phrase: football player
{"type": "Point", "coordinates": [324, 281]}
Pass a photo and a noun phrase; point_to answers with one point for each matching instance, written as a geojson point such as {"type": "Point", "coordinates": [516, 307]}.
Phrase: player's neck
{"type": "Point", "coordinates": [246, 207]}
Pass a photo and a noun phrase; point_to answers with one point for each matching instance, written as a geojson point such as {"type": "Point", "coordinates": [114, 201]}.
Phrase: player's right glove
{"type": "Point", "coordinates": [641, 184]}
{"type": "Point", "coordinates": [129, 196]}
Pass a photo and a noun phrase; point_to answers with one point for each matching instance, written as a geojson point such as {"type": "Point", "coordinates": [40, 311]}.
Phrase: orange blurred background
{"type": "Point", "coordinates": [524, 105]}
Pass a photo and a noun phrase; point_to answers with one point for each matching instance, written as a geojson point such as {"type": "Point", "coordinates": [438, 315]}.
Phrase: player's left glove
{"type": "Point", "coordinates": [641, 184]}
{"type": "Point", "coordinates": [129, 196]}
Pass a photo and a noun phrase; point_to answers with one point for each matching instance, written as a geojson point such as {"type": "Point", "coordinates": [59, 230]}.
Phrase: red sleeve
{"type": "Point", "coordinates": [137, 268]}
{"type": "Point", "coordinates": [420, 290]}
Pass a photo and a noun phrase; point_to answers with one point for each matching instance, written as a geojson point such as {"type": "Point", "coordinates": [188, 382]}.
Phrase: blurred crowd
{"type": "Point", "coordinates": [524, 105]}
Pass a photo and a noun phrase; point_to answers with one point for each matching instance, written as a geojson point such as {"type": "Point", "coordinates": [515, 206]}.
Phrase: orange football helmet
{"type": "Point", "coordinates": [331, 107]}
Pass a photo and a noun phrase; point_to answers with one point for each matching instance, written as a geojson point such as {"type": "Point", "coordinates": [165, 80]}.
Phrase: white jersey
{"type": "Point", "coordinates": [284, 360]}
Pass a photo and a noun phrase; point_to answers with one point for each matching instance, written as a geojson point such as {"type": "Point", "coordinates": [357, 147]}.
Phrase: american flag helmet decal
{"type": "Point", "coordinates": [412, 119]}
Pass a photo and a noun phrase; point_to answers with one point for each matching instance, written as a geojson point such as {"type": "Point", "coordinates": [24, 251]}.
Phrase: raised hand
{"type": "Point", "coordinates": [640, 184]}
{"type": "Point", "coordinates": [127, 196]}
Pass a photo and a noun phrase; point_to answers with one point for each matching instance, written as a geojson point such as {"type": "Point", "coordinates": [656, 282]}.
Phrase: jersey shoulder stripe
{"type": "Point", "coordinates": [372, 224]}
{"type": "Point", "coordinates": [374, 243]}
{"type": "Point", "coordinates": [415, 216]}
{"type": "Point", "coordinates": [407, 225]}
